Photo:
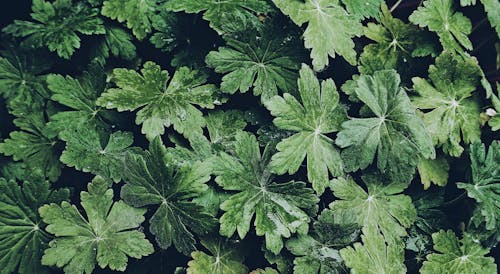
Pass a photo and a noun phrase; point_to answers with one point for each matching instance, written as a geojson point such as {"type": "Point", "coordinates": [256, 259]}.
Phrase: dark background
{"type": "Point", "coordinates": [483, 39]}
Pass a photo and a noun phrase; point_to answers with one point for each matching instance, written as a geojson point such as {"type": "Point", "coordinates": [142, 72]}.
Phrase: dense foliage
{"type": "Point", "coordinates": [250, 136]}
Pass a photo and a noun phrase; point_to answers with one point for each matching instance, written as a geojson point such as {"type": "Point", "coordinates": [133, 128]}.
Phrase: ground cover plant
{"type": "Point", "coordinates": [250, 136]}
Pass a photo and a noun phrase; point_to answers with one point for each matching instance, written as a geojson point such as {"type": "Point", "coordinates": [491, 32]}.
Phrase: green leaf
{"type": "Point", "coordinates": [485, 184]}
{"type": "Point", "coordinates": [57, 26]}
{"type": "Point", "coordinates": [161, 103]}
{"type": "Point", "coordinates": [452, 112]}
{"type": "Point", "coordinates": [215, 11]}
{"type": "Point", "coordinates": [433, 171]}
{"type": "Point", "coordinates": [362, 8]}
{"type": "Point", "coordinates": [382, 206]}
{"type": "Point", "coordinates": [280, 209]}
{"type": "Point", "coordinates": [451, 27]}
{"type": "Point", "coordinates": [79, 95]}
{"type": "Point", "coordinates": [396, 45]}
{"type": "Point", "coordinates": [317, 115]}
{"type": "Point", "coordinates": [90, 149]}
{"type": "Point", "coordinates": [117, 42]}
{"type": "Point", "coordinates": [35, 144]}
{"type": "Point", "coordinates": [22, 235]}
{"type": "Point", "coordinates": [457, 256]}
{"type": "Point", "coordinates": [330, 28]}
{"type": "Point", "coordinates": [152, 179]}
{"type": "Point", "coordinates": [166, 30]}
{"type": "Point", "coordinates": [108, 237]}
{"type": "Point", "coordinates": [492, 8]}
{"type": "Point", "coordinates": [318, 252]}
{"type": "Point", "coordinates": [222, 127]}
{"type": "Point", "coordinates": [267, 64]}
{"type": "Point", "coordinates": [137, 14]}
{"type": "Point", "coordinates": [375, 255]}
{"type": "Point", "coordinates": [392, 131]}
{"type": "Point", "coordinates": [21, 82]}
{"type": "Point", "coordinates": [226, 258]}
{"type": "Point", "coordinates": [266, 270]}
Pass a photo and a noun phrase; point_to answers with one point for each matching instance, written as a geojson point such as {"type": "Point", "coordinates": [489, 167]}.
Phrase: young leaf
{"type": "Point", "coordinates": [280, 209]}
{"type": "Point", "coordinates": [451, 27]}
{"type": "Point", "coordinates": [57, 26]}
{"type": "Point", "coordinates": [392, 130]}
{"type": "Point", "coordinates": [152, 179]}
{"type": "Point", "coordinates": [268, 64]}
{"type": "Point", "coordinates": [108, 237]}
{"type": "Point", "coordinates": [161, 103]}
{"type": "Point", "coordinates": [375, 255]}
{"type": "Point", "coordinates": [318, 114]}
{"type": "Point", "coordinates": [485, 185]}
{"type": "Point", "coordinates": [92, 150]}
{"type": "Point", "coordinates": [453, 110]}
{"type": "Point", "coordinates": [330, 28]}
{"type": "Point", "coordinates": [382, 207]}
{"type": "Point", "coordinates": [22, 235]}
{"type": "Point", "coordinates": [225, 259]}
{"type": "Point", "coordinates": [137, 14]}
{"type": "Point", "coordinates": [35, 144]}
{"type": "Point", "coordinates": [457, 256]}
{"type": "Point", "coordinates": [214, 11]}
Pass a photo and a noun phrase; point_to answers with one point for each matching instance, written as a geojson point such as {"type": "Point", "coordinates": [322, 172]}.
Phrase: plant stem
{"type": "Point", "coordinates": [484, 42]}
{"type": "Point", "coordinates": [395, 5]}
{"type": "Point", "coordinates": [454, 200]}
{"type": "Point", "coordinates": [479, 24]}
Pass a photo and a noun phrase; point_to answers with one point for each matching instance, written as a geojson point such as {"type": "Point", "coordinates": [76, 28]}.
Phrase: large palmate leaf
{"type": "Point", "coordinates": [225, 258]}
{"type": "Point", "coordinates": [451, 27]}
{"type": "Point", "coordinates": [457, 256]}
{"type": "Point", "coordinates": [92, 150]}
{"type": "Point", "coordinates": [382, 206]}
{"type": "Point", "coordinates": [451, 110]}
{"type": "Point", "coordinates": [267, 64]}
{"type": "Point", "coordinates": [215, 11]}
{"type": "Point", "coordinates": [161, 103]}
{"type": "Point", "coordinates": [391, 129]}
{"type": "Point", "coordinates": [107, 236]}
{"type": "Point", "coordinates": [485, 184]}
{"type": "Point", "coordinates": [22, 234]}
{"type": "Point", "coordinates": [152, 179]}
{"type": "Point", "coordinates": [137, 14]}
{"type": "Point", "coordinates": [57, 25]}
{"type": "Point", "coordinates": [280, 209]}
{"type": "Point", "coordinates": [375, 255]}
{"type": "Point", "coordinates": [330, 28]}
{"type": "Point", "coordinates": [317, 114]}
